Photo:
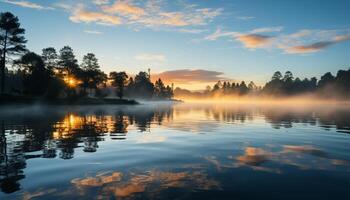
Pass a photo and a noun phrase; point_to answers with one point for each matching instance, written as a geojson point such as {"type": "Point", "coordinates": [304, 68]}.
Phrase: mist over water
{"type": "Point", "coordinates": [188, 150]}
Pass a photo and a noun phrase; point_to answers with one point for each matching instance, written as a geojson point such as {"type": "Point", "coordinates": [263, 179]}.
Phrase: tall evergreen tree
{"type": "Point", "coordinates": [50, 57]}
{"type": "Point", "coordinates": [277, 76]}
{"type": "Point", "coordinates": [119, 81]}
{"type": "Point", "coordinates": [90, 72]}
{"type": "Point", "coordinates": [90, 62]}
{"type": "Point", "coordinates": [326, 79]}
{"type": "Point", "coordinates": [67, 61]}
{"type": "Point", "coordinates": [143, 87]}
{"type": "Point", "coordinates": [36, 77]}
{"type": "Point", "coordinates": [12, 41]}
{"type": "Point", "coordinates": [159, 89]}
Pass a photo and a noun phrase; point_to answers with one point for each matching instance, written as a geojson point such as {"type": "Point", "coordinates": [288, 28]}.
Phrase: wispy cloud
{"type": "Point", "coordinates": [64, 6]}
{"type": "Point", "coordinates": [242, 36]}
{"type": "Point", "coordinates": [92, 32]}
{"type": "Point", "coordinates": [151, 57]}
{"type": "Point", "coordinates": [317, 46]}
{"type": "Point", "coordinates": [245, 17]}
{"type": "Point", "coordinates": [253, 41]}
{"type": "Point", "coordinates": [28, 4]}
{"type": "Point", "coordinates": [219, 34]}
{"type": "Point", "coordinates": [301, 33]}
{"type": "Point", "coordinates": [151, 14]}
{"type": "Point", "coordinates": [155, 16]}
{"type": "Point", "coordinates": [124, 8]}
{"type": "Point", "coordinates": [300, 42]}
{"type": "Point", "coordinates": [100, 2]}
{"type": "Point", "coordinates": [267, 29]}
{"type": "Point", "coordinates": [193, 31]}
{"type": "Point", "coordinates": [81, 15]}
{"type": "Point", "coordinates": [189, 75]}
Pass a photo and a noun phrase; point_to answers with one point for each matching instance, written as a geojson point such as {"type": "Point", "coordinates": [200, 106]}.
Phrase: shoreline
{"type": "Point", "coordinates": [27, 100]}
{"type": "Point", "coordinates": [24, 100]}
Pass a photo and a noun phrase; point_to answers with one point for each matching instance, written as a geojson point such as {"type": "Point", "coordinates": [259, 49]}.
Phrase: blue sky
{"type": "Point", "coordinates": [194, 43]}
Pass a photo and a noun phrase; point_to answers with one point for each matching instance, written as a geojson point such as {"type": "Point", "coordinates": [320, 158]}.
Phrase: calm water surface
{"type": "Point", "coordinates": [182, 151]}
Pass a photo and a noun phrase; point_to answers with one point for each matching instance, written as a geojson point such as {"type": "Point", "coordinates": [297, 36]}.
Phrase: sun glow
{"type": "Point", "coordinates": [71, 81]}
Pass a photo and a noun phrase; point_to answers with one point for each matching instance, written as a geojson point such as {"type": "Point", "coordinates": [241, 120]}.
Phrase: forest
{"type": "Point", "coordinates": [328, 86]}
{"type": "Point", "coordinates": [57, 74]}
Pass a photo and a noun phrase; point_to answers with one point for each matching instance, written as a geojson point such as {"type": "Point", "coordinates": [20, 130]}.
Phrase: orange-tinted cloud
{"type": "Point", "coordinates": [149, 14]}
{"type": "Point", "coordinates": [253, 41]}
{"type": "Point", "coordinates": [341, 38]}
{"type": "Point", "coordinates": [81, 15]}
{"type": "Point", "coordinates": [188, 76]}
{"type": "Point", "coordinates": [173, 19]}
{"type": "Point", "coordinates": [250, 35]}
{"type": "Point", "coordinates": [124, 8]}
{"type": "Point", "coordinates": [309, 48]}
{"type": "Point", "coordinates": [317, 46]}
{"type": "Point", "coordinates": [294, 43]}
{"type": "Point", "coordinates": [158, 17]}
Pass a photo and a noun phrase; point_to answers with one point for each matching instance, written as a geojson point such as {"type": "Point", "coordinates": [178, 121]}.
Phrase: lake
{"type": "Point", "coordinates": [175, 151]}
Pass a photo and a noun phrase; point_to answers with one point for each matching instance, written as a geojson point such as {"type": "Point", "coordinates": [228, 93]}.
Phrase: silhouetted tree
{"type": "Point", "coordinates": [313, 84]}
{"type": "Point", "coordinates": [90, 62]}
{"type": "Point", "coordinates": [100, 78]}
{"type": "Point", "coordinates": [119, 80]}
{"type": "Point", "coordinates": [207, 89]}
{"type": "Point", "coordinates": [68, 67]}
{"type": "Point", "coordinates": [217, 86]}
{"type": "Point", "coordinates": [243, 89]}
{"type": "Point", "coordinates": [55, 88]}
{"type": "Point", "coordinates": [276, 86]}
{"type": "Point", "coordinates": [36, 76]}
{"type": "Point", "coordinates": [277, 76]}
{"type": "Point", "coordinates": [159, 89]}
{"type": "Point", "coordinates": [67, 61]}
{"type": "Point", "coordinates": [12, 41]}
{"type": "Point", "coordinates": [142, 87]}
{"type": "Point", "coordinates": [252, 86]}
{"type": "Point", "coordinates": [288, 76]}
{"type": "Point", "coordinates": [342, 82]}
{"type": "Point", "coordinates": [169, 93]}
{"type": "Point", "coordinates": [50, 58]}
{"type": "Point", "coordinates": [90, 74]}
{"type": "Point", "coordinates": [326, 79]}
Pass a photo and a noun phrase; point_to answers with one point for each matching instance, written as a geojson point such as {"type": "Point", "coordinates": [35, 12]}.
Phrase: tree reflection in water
{"type": "Point", "coordinates": [53, 132]}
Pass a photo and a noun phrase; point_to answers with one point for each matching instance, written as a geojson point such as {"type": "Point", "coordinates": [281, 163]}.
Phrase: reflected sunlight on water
{"type": "Point", "coordinates": [190, 151]}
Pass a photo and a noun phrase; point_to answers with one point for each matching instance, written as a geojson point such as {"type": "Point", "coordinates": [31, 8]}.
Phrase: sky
{"type": "Point", "coordinates": [195, 43]}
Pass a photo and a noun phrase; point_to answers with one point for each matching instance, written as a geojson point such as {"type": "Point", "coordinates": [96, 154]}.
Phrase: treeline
{"type": "Point", "coordinates": [328, 86]}
{"type": "Point", "coordinates": [58, 74]}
